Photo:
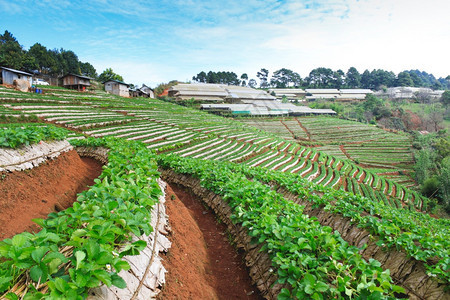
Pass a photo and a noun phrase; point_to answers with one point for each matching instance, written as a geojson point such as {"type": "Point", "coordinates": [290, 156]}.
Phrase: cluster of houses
{"type": "Point", "coordinates": [317, 94]}
{"type": "Point", "coordinates": [406, 92]}
{"type": "Point", "coordinates": [23, 81]}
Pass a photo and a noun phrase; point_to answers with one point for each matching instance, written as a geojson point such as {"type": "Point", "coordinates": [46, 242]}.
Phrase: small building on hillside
{"type": "Point", "coordinates": [315, 94]}
{"type": "Point", "coordinates": [147, 91]}
{"type": "Point", "coordinates": [408, 92]}
{"type": "Point", "coordinates": [143, 91]}
{"type": "Point", "coordinates": [117, 87]}
{"type": "Point", "coordinates": [290, 94]}
{"type": "Point", "coordinates": [8, 75]}
{"type": "Point", "coordinates": [353, 94]}
{"type": "Point", "coordinates": [200, 92]}
{"type": "Point", "coordinates": [76, 82]}
{"type": "Point", "coordinates": [210, 92]}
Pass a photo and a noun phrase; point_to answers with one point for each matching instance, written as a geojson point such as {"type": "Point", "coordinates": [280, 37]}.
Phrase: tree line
{"type": "Point", "coordinates": [40, 60]}
{"type": "Point", "coordinates": [327, 78]}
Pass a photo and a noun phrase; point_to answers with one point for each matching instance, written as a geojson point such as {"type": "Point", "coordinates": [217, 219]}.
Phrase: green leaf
{"type": "Point", "coordinates": [121, 265]}
{"type": "Point", "coordinates": [5, 282]}
{"type": "Point", "coordinates": [81, 279]}
{"type": "Point", "coordinates": [104, 276]}
{"type": "Point", "coordinates": [36, 273]}
{"type": "Point", "coordinates": [348, 292]}
{"type": "Point", "coordinates": [12, 296]}
{"type": "Point", "coordinates": [61, 285]}
{"type": "Point", "coordinates": [321, 286]}
{"type": "Point", "coordinates": [118, 281]}
{"type": "Point", "coordinates": [80, 256]}
{"type": "Point", "coordinates": [140, 245]}
{"type": "Point", "coordinates": [19, 240]}
{"type": "Point", "coordinates": [309, 289]}
{"type": "Point", "coordinates": [38, 221]}
{"type": "Point", "coordinates": [92, 248]}
{"type": "Point", "coordinates": [38, 254]}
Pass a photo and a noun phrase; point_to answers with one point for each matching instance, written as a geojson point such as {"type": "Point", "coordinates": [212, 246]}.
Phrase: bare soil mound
{"type": "Point", "coordinates": [35, 193]}
{"type": "Point", "coordinates": [201, 263]}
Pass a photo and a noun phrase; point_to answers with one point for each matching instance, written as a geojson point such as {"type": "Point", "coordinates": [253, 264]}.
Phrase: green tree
{"type": "Point", "coordinates": [338, 79]}
{"type": "Point", "coordinates": [11, 53]}
{"type": "Point", "coordinates": [416, 79]}
{"type": "Point", "coordinates": [353, 78]}
{"type": "Point", "coordinates": [366, 80]}
{"type": "Point", "coordinates": [321, 78]}
{"type": "Point", "coordinates": [108, 74]}
{"type": "Point", "coordinates": [72, 64]}
{"type": "Point", "coordinates": [252, 83]}
{"type": "Point", "coordinates": [88, 70]}
{"type": "Point", "coordinates": [445, 98]}
{"type": "Point", "coordinates": [45, 60]}
{"type": "Point", "coordinates": [404, 79]}
{"type": "Point", "coordinates": [284, 78]}
{"type": "Point", "coordinates": [244, 79]}
{"type": "Point", "coordinates": [201, 77]}
{"type": "Point", "coordinates": [263, 76]}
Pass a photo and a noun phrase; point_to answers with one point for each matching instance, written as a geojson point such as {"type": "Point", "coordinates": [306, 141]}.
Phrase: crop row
{"type": "Point", "coordinates": [311, 259]}
{"type": "Point", "coordinates": [420, 235]}
{"type": "Point", "coordinates": [100, 223]}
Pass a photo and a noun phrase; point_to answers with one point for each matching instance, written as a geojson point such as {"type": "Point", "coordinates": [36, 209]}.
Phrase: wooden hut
{"type": "Point", "coordinates": [76, 82]}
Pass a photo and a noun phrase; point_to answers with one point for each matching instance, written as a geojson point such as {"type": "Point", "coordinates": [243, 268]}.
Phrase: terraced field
{"type": "Point", "coordinates": [366, 145]}
{"type": "Point", "coordinates": [166, 127]}
{"type": "Point", "coordinates": [270, 186]}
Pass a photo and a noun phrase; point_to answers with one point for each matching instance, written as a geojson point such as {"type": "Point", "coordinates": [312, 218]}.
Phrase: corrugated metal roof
{"type": "Point", "coordinates": [201, 93]}
{"type": "Point", "coordinates": [200, 98]}
{"type": "Point", "coordinates": [228, 91]}
{"type": "Point", "coordinates": [356, 91]}
{"type": "Point", "coordinates": [16, 71]}
{"type": "Point", "coordinates": [113, 80]}
{"type": "Point", "coordinates": [322, 91]}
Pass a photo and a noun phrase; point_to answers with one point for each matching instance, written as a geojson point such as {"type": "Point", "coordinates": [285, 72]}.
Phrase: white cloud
{"type": "Point", "coordinates": [165, 40]}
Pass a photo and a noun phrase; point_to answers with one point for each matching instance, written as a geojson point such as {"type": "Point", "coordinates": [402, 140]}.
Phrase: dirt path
{"type": "Point", "coordinates": [341, 147]}
{"type": "Point", "coordinates": [201, 263]}
{"type": "Point", "coordinates": [308, 134]}
{"type": "Point", "coordinates": [35, 193]}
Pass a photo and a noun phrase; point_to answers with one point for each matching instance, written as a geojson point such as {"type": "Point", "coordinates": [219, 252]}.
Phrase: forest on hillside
{"type": "Point", "coordinates": [327, 78]}
{"type": "Point", "coordinates": [38, 59]}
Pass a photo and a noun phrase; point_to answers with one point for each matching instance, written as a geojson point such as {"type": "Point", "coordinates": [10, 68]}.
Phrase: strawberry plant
{"type": "Point", "coordinates": [16, 135]}
{"type": "Point", "coordinates": [82, 246]}
{"type": "Point", "coordinates": [314, 261]}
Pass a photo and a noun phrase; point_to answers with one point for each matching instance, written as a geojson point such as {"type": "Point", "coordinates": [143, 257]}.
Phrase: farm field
{"type": "Point", "coordinates": [366, 145]}
{"type": "Point", "coordinates": [272, 186]}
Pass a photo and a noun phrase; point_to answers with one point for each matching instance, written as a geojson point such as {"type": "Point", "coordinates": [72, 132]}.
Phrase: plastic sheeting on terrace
{"type": "Point", "coordinates": [216, 92]}
{"type": "Point", "coordinates": [267, 108]}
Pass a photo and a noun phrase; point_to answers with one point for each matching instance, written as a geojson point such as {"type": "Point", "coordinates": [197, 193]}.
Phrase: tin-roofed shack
{"type": "Point", "coordinates": [76, 82]}
{"type": "Point", "coordinates": [117, 87]}
{"type": "Point", "coordinates": [23, 79]}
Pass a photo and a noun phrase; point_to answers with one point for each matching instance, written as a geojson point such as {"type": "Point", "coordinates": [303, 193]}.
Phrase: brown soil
{"type": "Point", "coordinates": [308, 134]}
{"type": "Point", "coordinates": [35, 193]}
{"type": "Point", "coordinates": [201, 263]}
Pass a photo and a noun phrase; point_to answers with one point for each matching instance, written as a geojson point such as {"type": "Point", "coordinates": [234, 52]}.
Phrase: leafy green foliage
{"type": "Point", "coordinates": [14, 136]}
{"type": "Point", "coordinates": [314, 261]}
{"type": "Point", "coordinates": [108, 74]}
{"type": "Point", "coordinates": [96, 226]}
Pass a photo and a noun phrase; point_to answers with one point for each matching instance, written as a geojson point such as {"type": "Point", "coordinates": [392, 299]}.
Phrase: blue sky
{"type": "Point", "coordinates": [156, 41]}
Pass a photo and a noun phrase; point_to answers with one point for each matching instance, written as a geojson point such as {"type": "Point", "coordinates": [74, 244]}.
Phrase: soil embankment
{"type": "Point", "coordinates": [35, 193]}
{"type": "Point", "coordinates": [201, 263]}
